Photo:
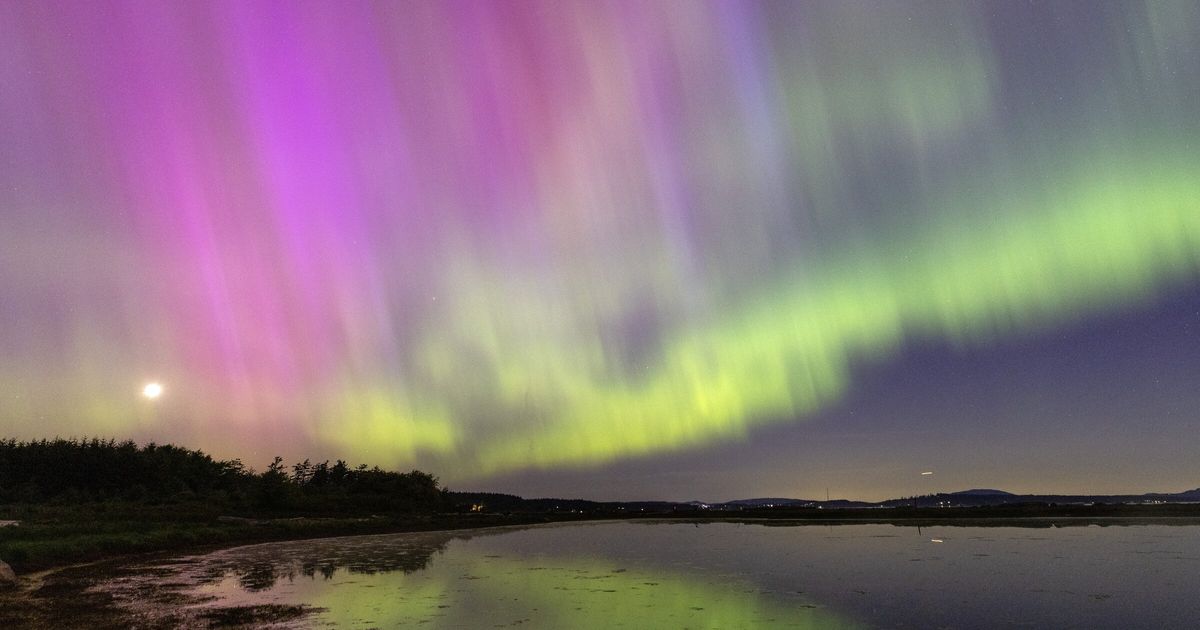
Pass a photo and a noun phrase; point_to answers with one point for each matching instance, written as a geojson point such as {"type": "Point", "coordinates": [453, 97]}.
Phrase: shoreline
{"type": "Point", "coordinates": [183, 536]}
{"type": "Point", "coordinates": [60, 596]}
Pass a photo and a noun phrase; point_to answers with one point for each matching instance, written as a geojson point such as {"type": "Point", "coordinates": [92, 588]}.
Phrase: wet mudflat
{"type": "Point", "coordinates": [678, 574]}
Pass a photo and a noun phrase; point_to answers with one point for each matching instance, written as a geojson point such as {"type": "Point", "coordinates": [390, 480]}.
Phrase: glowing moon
{"type": "Point", "coordinates": [152, 390]}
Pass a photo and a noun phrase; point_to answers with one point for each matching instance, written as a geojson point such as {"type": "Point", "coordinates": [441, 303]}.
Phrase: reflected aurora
{"type": "Point", "coordinates": [718, 575]}
{"type": "Point", "coordinates": [544, 592]}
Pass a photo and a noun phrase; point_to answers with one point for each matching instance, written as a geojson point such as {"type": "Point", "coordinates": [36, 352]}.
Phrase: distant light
{"type": "Point", "coordinates": [152, 390]}
{"type": "Point", "coordinates": [937, 540]}
{"type": "Point", "coordinates": [927, 472]}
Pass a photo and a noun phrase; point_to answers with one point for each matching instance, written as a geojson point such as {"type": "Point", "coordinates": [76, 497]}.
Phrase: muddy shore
{"type": "Point", "coordinates": [64, 597]}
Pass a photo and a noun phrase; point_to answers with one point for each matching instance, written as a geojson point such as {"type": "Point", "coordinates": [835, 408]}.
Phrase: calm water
{"type": "Point", "coordinates": [720, 575]}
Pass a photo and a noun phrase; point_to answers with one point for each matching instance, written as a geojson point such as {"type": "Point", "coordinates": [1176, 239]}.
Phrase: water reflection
{"type": "Point", "coordinates": [393, 581]}
{"type": "Point", "coordinates": [717, 575]}
{"type": "Point", "coordinates": [260, 567]}
{"type": "Point", "coordinates": [588, 593]}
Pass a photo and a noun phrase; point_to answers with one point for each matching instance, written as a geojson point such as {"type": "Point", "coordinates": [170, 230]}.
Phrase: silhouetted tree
{"type": "Point", "coordinates": [75, 471]}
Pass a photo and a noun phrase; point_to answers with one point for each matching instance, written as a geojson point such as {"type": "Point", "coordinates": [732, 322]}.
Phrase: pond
{"type": "Point", "coordinates": [671, 574]}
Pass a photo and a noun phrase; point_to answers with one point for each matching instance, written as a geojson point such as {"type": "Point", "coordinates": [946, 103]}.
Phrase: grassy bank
{"type": "Point", "coordinates": [56, 536]}
{"type": "Point", "coordinates": [86, 499]}
{"type": "Point", "coordinates": [51, 536]}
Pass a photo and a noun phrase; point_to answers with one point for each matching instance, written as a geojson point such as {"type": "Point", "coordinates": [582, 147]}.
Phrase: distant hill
{"type": "Point", "coordinates": [769, 502]}
{"type": "Point", "coordinates": [975, 497]}
{"type": "Point", "coordinates": [984, 497]}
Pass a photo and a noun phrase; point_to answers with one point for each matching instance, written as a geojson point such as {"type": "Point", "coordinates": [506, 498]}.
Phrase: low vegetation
{"type": "Point", "coordinates": [86, 499]}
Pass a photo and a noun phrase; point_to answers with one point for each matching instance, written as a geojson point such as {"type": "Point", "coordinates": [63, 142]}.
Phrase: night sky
{"type": "Point", "coordinates": [633, 250]}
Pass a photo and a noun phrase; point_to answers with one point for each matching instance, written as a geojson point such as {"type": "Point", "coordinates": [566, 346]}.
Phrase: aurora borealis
{"type": "Point", "coordinates": [507, 240]}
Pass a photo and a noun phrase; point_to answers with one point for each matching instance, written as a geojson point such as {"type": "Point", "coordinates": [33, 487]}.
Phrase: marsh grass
{"type": "Point", "coordinates": [55, 536]}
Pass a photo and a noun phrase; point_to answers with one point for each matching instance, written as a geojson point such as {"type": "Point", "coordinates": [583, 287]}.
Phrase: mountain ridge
{"type": "Point", "coordinates": [974, 497]}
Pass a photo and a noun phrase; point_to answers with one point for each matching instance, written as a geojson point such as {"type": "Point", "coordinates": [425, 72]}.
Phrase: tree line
{"type": "Point", "coordinates": [81, 470]}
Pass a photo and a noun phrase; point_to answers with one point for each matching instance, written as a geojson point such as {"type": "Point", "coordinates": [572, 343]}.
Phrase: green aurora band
{"type": "Point", "coordinates": [1106, 232]}
{"type": "Point", "coordinates": [486, 238]}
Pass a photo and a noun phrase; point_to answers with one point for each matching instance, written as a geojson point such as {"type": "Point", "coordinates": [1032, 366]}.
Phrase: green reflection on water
{"type": "Point", "coordinates": [579, 593]}
{"type": "Point", "coordinates": [395, 581]}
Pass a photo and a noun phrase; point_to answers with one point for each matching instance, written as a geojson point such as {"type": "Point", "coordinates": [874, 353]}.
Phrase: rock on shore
{"type": "Point", "coordinates": [7, 577]}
